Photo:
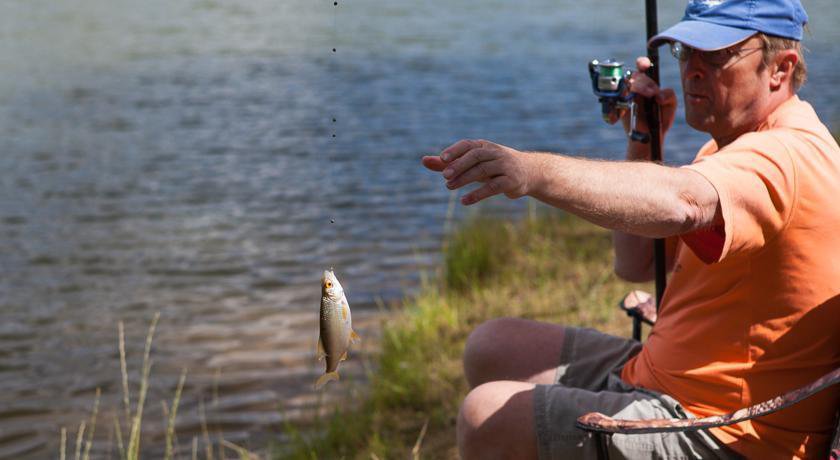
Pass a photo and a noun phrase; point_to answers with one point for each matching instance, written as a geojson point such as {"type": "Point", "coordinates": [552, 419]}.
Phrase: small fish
{"type": "Point", "coordinates": [336, 331]}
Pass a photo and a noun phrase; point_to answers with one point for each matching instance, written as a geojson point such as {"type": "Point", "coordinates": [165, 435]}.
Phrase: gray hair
{"type": "Point", "coordinates": [774, 44]}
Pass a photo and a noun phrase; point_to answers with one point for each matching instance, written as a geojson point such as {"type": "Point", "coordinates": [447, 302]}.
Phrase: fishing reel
{"type": "Point", "coordinates": [609, 83]}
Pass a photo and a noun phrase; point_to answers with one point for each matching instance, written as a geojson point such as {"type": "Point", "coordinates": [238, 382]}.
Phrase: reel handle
{"type": "Point", "coordinates": [638, 136]}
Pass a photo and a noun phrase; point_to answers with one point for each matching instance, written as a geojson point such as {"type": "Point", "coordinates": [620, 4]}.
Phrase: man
{"type": "Point", "coordinates": [753, 232]}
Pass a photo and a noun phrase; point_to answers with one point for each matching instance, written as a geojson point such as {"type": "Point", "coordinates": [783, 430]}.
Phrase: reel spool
{"type": "Point", "coordinates": [609, 83]}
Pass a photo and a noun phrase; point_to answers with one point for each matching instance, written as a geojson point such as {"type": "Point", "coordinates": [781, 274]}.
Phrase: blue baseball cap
{"type": "Point", "coordinates": [710, 25]}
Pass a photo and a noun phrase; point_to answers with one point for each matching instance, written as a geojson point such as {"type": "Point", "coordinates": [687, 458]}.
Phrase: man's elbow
{"type": "Point", "coordinates": [699, 204]}
{"type": "Point", "coordinates": [694, 215]}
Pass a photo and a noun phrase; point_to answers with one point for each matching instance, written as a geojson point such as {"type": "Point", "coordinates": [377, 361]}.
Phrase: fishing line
{"type": "Point", "coordinates": [333, 151]}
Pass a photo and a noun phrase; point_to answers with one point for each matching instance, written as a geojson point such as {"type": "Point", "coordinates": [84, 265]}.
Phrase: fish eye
{"type": "Point", "coordinates": [328, 284]}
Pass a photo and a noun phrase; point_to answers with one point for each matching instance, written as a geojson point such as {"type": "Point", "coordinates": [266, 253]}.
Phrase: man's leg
{"type": "Point", "coordinates": [513, 349]}
{"type": "Point", "coordinates": [521, 420]}
{"type": "Point", "coordinates": [514, 419]}
{"type": "Point", "coordinates": [497, 422]}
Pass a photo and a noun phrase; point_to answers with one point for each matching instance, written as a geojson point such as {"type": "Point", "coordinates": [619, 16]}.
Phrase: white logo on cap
{"type": "Point", "coordinates": [708, 3]}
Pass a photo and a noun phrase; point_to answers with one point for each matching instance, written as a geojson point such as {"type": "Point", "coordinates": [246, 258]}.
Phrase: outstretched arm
{"type": "Point", "coordinates": [634, 197]}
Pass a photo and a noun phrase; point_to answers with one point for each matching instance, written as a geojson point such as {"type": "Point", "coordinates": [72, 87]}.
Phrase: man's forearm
{"type": "Point", "coordinates": [633, 257]}
{"type": "Point", "coordinates": [639, 198]}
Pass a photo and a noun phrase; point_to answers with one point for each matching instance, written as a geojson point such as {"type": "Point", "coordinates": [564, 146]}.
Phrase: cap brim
{"type": "Point", "coordinates": [702, 35]}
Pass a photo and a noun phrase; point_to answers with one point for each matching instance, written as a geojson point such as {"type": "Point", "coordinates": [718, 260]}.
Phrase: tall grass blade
{"type": "Point", "coordinates": [124, 372]}
{"type": "Point", "coordinates": [415, 451]}
{"type": "Point", "coordinates": [243, 453]}
{"type": "Point", "coordinates": [118, 432]}
{"type": "Point", "coordinates": [208, 447]}
{"type": "Point", "coordinates": [89, 443]}
{"type": "Point", "coordinates": [170, 425]}
{"type": "Point", "coordinates": [79, 436]}
{"type": "Point", "coordinates": [136, 423]}
{"type": "Point", "coordinates": [62, 453]}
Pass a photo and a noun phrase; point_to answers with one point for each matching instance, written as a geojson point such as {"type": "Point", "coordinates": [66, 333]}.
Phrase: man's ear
{"type": "Point", "coordinates": [782, 68]}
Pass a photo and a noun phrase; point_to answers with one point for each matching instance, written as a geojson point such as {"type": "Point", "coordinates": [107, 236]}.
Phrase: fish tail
{"type": "Point", "coordinates": [322, 380]}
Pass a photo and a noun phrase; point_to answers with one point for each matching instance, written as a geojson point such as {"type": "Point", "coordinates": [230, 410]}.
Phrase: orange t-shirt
{"type": "Point", "coordinates": [752, 309]}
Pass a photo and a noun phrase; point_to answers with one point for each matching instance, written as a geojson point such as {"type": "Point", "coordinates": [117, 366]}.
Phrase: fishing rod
{"type": "Point", "coordinates": [653, 122]}
{"type": "Point", "coordinates": [610, 84]}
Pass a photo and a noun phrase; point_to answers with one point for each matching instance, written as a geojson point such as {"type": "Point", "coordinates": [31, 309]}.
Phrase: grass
{"type": "Point", "coordinates": [552, 268]}
{"type": "Point", "coordinates": [133, 416]}
{"type": "Point", "coordinates": [133, 422]}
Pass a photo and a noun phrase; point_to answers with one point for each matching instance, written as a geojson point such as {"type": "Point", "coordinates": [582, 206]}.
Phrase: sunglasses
{"type": "Point", "coordinates": [717, 58]}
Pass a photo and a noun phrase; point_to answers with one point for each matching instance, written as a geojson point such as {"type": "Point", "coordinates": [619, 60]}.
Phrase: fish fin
{"type": "Point", "coordinates": [343, 356]}
{"type": "Point", "coordinates": [322, 380]}
{"type": "Point", "coordinates": [319, 350]}
{"type": "Point", "coordinates": [354, 338]}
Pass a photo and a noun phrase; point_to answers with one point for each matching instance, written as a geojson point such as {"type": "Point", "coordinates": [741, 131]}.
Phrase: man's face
{"type": "Point", "coordinates": [728, 99]}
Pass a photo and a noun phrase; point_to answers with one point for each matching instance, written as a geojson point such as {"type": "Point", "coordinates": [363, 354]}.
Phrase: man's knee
{"type": "Point", "coordinates": [496, 421]}
{"type": "Point", "coordinates": [484, 350]}
{"type": "Point", "coordinates": [512, 349]}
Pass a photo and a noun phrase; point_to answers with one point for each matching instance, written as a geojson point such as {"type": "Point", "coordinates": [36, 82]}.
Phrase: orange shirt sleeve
{"type": "Point", "coordinates": [755, 178]}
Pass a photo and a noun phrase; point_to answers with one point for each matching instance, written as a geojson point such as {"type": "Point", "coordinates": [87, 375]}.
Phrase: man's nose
{"type": "Point", "coordinates": [694, 66]}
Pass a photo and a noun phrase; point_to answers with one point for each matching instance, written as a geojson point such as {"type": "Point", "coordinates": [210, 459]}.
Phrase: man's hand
{"type": "Point", "coordinates": [644, 87]}
{"type": "Point", "coordinates": [501, 169]}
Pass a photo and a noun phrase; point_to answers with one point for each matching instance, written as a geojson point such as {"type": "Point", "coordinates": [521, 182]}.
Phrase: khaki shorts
{"type": "Point", "coordinates": [588, 380]}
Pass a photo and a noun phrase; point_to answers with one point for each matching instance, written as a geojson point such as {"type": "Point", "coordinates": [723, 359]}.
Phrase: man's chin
{"type": "Point", "coordinates": [699, 123]}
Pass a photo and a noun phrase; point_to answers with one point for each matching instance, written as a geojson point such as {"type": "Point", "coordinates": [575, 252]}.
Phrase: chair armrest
{"type": "Point", "coordinates": [597, 422]}
{"type": "Point", "coordinates": [641, 305]}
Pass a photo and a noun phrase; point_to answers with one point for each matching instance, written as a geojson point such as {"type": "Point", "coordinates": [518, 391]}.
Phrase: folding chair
{"type": "Point", "coordinates": [642, 308]}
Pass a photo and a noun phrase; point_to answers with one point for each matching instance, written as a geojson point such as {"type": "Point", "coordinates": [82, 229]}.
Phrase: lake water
{"type": "Point", "coordinates": [178, 157]}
